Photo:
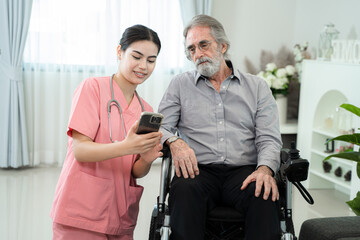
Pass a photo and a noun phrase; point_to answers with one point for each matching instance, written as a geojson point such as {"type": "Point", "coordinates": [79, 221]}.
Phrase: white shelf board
{"type": "Point", "coordinates": [339, 160]}
{"type": "Point", "coordinates": [325, 132]}
{"type": "Point", "coordinates": [332, 179]}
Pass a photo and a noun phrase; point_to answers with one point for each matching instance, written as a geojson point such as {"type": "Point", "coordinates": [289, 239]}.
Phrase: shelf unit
{"type": "Point", "coordinates": [319, 137]}
{"type": "Point", "coordinates": [324, 87]}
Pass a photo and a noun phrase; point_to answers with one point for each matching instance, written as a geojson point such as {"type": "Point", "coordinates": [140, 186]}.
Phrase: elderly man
{"type": "Point", "coordinates": [229, 142]}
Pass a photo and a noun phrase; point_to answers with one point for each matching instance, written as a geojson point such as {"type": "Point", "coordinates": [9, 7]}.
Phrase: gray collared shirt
{"type": "Point", "coordinates": [237, 126]}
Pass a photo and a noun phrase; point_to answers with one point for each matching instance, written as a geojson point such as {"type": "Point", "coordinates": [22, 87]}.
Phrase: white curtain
{"type": "Point", "coordinates": [191, 8]}
{"type": "Point", "coordinates": [71, 40]}
{"type": "Point", "coordinates": [14, 23]}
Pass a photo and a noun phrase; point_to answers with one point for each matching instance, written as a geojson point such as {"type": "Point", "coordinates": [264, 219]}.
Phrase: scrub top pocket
{"type": "Point", "coordinates": [128, 220]}
{"type": "Point", "coordinates": [89, 198]}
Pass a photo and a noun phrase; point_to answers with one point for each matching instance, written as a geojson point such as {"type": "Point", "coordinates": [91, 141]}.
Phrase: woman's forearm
{"type": "Point", "coordinates": [140, 168]}
{"type": "Point", "coordinates": [85, 150]}
{"type": "Point", "coordinates": [95, 152]}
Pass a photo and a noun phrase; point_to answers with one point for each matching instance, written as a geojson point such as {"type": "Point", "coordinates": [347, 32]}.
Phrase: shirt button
{"type": "Point", "coordinates": [221, 139]}
{"type": "Point", "coordinates": [222, 158]}
{"type": "Point", "coordinates": [224, 87]}
{"type": "Point", "coordinates": [220, 122]}
{"type": "Point", "coordinates": [219, 104]}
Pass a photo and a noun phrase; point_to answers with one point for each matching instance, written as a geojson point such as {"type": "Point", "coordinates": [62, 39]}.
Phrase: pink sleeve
{"type": "Point", "coordinates": [85, 116]}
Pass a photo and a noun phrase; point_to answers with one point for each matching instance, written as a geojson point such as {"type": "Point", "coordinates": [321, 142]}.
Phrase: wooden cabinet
{"type": "Point", "coordinates": [324, 87]}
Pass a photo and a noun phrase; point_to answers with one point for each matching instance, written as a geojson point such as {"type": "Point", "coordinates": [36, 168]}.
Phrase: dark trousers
{"type": "Point", "coordinates": [191, 199]}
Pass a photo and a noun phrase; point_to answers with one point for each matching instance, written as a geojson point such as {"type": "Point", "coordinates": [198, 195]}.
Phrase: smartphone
{"type": "Point", "coordinates": [149, 122]}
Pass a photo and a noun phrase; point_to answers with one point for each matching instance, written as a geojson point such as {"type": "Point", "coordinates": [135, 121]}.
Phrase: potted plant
{"type": "Point", "coordinates": [352, 156]}
{"type": "Point", "coordinates": [278, 79]}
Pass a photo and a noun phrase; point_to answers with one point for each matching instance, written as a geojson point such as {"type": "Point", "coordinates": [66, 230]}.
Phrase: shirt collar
{"type": "Point", "coordinates": [235, 74]}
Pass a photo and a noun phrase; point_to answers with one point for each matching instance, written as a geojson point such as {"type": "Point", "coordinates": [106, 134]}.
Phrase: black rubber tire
{"type": "Point", "coordinates": [155, 225]}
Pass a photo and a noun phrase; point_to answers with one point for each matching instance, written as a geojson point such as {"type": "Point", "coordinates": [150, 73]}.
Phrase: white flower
{"type": "Point", "coordinates": [268, 82]}
{"type": "Point", "coordinates": [277, 78]}
{"type": "Point", "coordinates": [278, 83]}
{"type": "Point", "coordinates": [261, 74]}
{"type": "Point", "coordinates": [298, 56]}
{"type": "Point", "coordinates": [304, 45]}
{"type": "Point", "coordinates": [270, 67]}
{"type": "Point", "coordinates": [281, 72]}
{"type": "Point", "coordinates": [270, 78]}
{"type": "Point", "coordinates": [290, 70]}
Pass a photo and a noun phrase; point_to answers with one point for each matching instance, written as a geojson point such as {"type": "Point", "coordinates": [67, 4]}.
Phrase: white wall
{"type": "Point", "coordinates": [312, 15]}
{"type": "Point", "coordinates": [255, 25]}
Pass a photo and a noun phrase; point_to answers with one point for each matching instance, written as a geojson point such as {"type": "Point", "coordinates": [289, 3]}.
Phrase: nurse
{"type": "Point", "coordinates": [97, 196]}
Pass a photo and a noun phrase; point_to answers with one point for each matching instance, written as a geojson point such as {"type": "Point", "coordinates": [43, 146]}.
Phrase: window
{"type": "Point", "coordinates": [86, 32]}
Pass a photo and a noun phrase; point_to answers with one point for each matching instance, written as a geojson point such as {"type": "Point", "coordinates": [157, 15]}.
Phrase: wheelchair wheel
{"type": "Point", "coordinates": [156, 223]}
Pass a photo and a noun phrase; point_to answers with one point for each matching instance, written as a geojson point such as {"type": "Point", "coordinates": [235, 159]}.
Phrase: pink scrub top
{"type": "Point", "coordinates": [100, 196]}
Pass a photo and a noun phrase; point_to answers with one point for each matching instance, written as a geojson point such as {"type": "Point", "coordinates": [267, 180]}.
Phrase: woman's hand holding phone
{"type": "Point", "coordinates": [150, 122]}
{"type": "Point", "coordinates": [147, 154]}
{"type": "Point", "coordinates": [141, 143]}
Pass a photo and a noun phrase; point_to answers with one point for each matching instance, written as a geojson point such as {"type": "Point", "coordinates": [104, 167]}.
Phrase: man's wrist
{"type": "Point", "coordinates": [171, 140]}
{"type": "Point", "coordinates": [267, 169]}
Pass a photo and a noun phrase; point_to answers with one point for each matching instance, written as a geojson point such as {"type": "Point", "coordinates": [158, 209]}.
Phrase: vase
{"type": "Point", "coordinates": [325, 48]}
{"type": "Point", "coordinates": [282, 103]}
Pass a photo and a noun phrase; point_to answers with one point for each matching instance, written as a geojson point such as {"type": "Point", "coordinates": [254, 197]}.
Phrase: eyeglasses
{"type": "Point", "coordinates": [202, 46]}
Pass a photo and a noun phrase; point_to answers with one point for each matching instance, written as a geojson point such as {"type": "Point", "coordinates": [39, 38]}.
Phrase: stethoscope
{"type": "Point", "coordinates": [114, 102]}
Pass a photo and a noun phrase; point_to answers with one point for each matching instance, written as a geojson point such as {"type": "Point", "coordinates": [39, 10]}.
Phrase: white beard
{"type": "Point", "coordinates": [210, 67]}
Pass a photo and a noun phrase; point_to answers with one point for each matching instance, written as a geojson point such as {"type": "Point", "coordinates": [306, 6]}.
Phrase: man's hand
{"type": "Point", "coordinates": [184, 158]}
{"type": "Point", "coordinates": [263, 177]}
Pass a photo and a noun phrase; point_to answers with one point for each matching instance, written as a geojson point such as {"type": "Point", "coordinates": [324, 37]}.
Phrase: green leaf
{"type": "Point", "coordinates": [355, 204]}
{"type": "Point", "coordinates": [351, 108]}
{"type": "Point", "coordinates": [350, 138]}
{"type": "Point", "coordinates": [353, 156]}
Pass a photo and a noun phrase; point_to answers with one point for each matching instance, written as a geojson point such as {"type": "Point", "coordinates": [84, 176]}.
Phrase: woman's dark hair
{"type": "Point", "coordinates": [138, 33]}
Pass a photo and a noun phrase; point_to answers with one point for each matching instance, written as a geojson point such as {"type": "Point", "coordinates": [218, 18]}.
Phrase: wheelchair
{"type": "Point", "coordinates": [225, 223]}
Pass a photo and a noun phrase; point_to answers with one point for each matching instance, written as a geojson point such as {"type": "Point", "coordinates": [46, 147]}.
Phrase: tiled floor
{"type": "Point", "coordinates": [26, 196]}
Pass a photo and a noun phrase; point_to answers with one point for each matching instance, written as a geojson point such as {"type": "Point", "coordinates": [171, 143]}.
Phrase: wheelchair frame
{"type": "Point", "coordinates": [293, 170]}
